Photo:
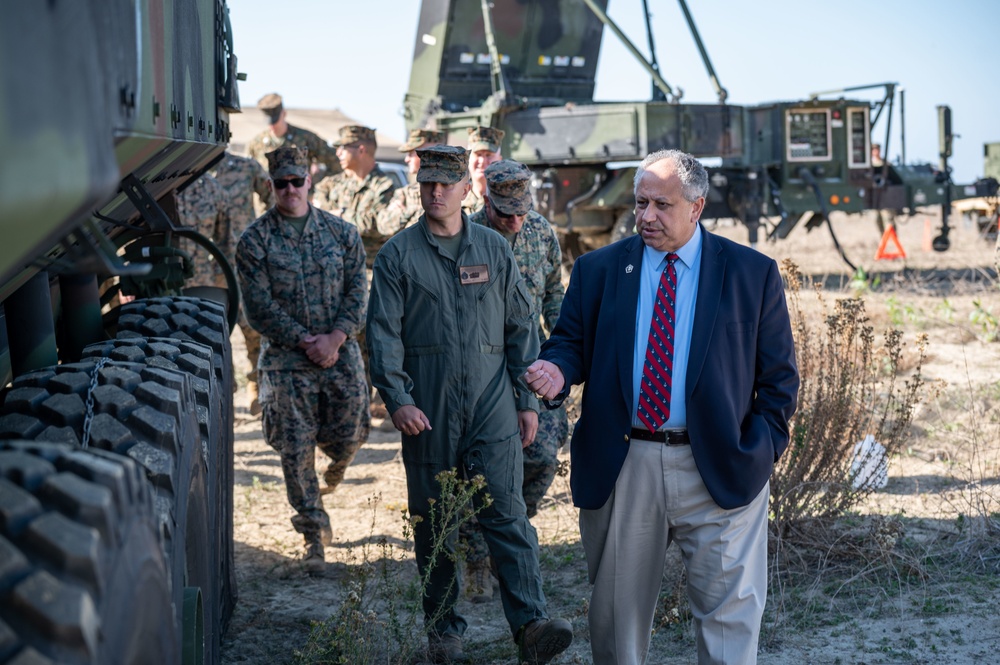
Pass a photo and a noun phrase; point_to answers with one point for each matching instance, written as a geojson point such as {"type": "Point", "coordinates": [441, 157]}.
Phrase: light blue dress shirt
{"type": "Point", "coordinates": [688, 268]}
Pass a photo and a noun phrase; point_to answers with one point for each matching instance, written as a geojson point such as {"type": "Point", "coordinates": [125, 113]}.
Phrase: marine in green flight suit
{"type": "Point", "coordinates": [450, 332]}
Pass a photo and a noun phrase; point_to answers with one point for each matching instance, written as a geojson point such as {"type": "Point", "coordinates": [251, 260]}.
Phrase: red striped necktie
{"type": "Point", "coordinates": [654, 394]}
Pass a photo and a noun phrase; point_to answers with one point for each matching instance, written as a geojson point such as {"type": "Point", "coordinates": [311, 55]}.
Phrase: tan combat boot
{"type": "Point", "coordinates": [445, 649]}
{"type": "Point", "coordinates": [479, 583]}
{"type": "Point", "coordinates": [543, 639]}
{"type": "Point", "coordinates": [314, 560]}
{"type": "Point", "coordinates": [255, 408]}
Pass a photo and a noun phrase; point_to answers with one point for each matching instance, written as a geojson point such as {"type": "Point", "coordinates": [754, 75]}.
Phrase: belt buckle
{"type": "Point", "coordinates": [674, 437]}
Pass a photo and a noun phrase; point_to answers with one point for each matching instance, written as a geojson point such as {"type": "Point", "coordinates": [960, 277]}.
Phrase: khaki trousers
{"type": "Point", "coordinates": [659, 498]}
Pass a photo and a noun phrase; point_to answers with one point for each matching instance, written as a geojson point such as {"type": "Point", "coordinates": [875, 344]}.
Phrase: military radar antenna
{"type": "Point", "coordinates": [651, 67]}
{"type": "Point", "coordinates": [721, 92]}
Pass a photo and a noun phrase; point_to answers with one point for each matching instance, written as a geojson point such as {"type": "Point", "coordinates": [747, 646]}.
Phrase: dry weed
{"type": "Point", "coordinates": [850, 389]}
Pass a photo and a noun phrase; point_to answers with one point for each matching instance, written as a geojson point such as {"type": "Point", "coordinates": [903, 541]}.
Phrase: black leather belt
{"type": "Point", "coordinates": [671, 437]}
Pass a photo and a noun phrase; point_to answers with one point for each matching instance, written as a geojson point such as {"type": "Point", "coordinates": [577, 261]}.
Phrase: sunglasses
{"type": "Point", "coordinates": [294, 182]}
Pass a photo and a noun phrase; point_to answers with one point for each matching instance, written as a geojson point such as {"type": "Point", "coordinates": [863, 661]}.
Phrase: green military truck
{"type": "Point", "coordinates": [529, 68]}
{"type": "Point", "coordinates": [116, 413]}
{"type": "Point", "coordinates": [984, 211]}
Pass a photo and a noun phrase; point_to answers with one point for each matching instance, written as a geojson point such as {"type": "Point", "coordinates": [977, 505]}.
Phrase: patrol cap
{"type": "Point", "coordinates": [272, 105]}
{"type": "Point", "coordinates": [288, 161]}
{"type": "Point", "coordinates": [446, 164]}
{"type": "Point", "coordinates": [485, 138]}
{"type": "Point", "coordinates": [354, 133]}
{"type": "Point", "coordinates": [419, 137]}
{"type": "Point", "coordinates": [507, 183]}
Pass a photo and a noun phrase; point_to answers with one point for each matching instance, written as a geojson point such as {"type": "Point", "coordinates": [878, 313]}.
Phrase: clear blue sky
{"type": "Point", "coordinates": [355, 55]}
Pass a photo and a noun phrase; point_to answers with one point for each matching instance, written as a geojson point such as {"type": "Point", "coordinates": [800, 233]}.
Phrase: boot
{"type": "Point", "coordinates": [314, 561]}
{"type": "Point", "coordinates": [479, 582]}
{"type": "Point", "coordinates": [543, 639]}
{"type": "Point", "coordinates": [331, 478]}
{"type": "Point", "coordinates": [255, 408]}
{"type": "Point", "coordinates": [445, 649]}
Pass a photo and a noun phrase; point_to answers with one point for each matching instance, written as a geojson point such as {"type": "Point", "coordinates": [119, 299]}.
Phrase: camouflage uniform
{"type": "Point", "coordinates": [472, 203]}
{"type": "Point", "coordinates": [357, 201]}
{"type": "Point", "coordinates": [297, 285]}
{"type": "Point", "coordinates": [536, 250]}
{"type": "Point", "coordinates": [240, 178]}
{"type": "Point", "coordinates": [319, 150]}
{"type": "Point", "coordinates": [202, 208]}
{"type": "Point", "coordinates": [403, 210]}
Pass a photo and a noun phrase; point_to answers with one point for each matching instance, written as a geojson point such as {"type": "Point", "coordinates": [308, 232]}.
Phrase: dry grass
{"type": "Point", "coordinates": [849, 390]}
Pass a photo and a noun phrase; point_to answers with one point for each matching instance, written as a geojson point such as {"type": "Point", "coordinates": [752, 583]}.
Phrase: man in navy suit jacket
{"type": "Point", "coordinates": [701, 479]}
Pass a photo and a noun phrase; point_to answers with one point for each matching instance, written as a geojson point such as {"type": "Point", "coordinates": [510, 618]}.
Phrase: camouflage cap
{"type": "Point", "coordinates": [270, 102]}
{"type": "Point", "coordinates": [507, 183]}
{"type": "Point", "coordinates": [272, 105]}
{"type": "Point", "coordinates": [485, 138]}
{"type": "Point", "coordinates": [354, 133]}
{"type": "Point", "coordinates": [446, 164]}
{"type": "Point", "coordinates": [420, 137]}
{"type": "Point", "coordinates": [288, 161]}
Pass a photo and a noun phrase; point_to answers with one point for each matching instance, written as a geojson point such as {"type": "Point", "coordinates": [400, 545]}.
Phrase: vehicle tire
{"type": "Point", "coordinates": [196, 360]}
{"type": "Point", "coordinates": [147, 414]}
{"type": "Point", "coordinates": [82, 572]}
{"type": "Point", "coordinates": [203, 321]}
{"type": "Point", "coordinates": [624, 226]}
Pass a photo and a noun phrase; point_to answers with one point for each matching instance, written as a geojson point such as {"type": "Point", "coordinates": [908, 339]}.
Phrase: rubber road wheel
{"type": "Point", "coordinates": [146, 413]}
{"type": "Point", "coordinates": [82, 573]}
{"type": "Point", "coordinates": [203, 321]}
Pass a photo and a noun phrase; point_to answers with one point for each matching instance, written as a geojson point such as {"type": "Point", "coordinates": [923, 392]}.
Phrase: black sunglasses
{"type": "Point", "coordinates": [294, 182]}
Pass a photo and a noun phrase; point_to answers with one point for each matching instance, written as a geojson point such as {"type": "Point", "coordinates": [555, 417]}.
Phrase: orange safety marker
{"type": "Point", "coordinates": [927, 245]}
{"type": "Point", "coordinates": [887, 237]}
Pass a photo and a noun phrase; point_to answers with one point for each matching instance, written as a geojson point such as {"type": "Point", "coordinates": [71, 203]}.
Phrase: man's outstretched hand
{"type": "Point", "coordinates": [545, 379]}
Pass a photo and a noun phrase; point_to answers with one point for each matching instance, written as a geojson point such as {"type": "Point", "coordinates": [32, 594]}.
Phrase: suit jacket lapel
{"type": "Point", "coordinates": [706, 309]}
{"type": "Point", "coordinates": [626, 302]}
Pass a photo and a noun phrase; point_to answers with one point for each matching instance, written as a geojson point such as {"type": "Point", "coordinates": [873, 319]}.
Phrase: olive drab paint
{"type": "Point", "coordinates": [91, 92]}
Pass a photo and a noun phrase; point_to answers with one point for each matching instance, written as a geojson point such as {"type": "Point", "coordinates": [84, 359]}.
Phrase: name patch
{"type": "Point", "coordinates": [474, 274]}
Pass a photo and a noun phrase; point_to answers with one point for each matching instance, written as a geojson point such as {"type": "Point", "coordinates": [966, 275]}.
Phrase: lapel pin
{"type": "Point", "coordinates": [628, 269]}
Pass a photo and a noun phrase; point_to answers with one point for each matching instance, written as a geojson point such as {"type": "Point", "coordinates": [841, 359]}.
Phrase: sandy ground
{"type": "Point", "coordinates": [955, 439]}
